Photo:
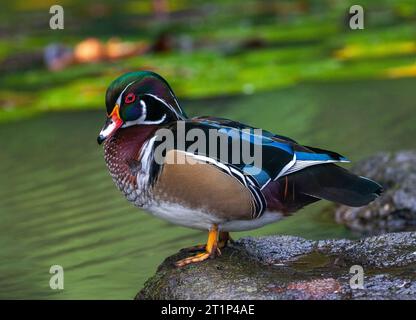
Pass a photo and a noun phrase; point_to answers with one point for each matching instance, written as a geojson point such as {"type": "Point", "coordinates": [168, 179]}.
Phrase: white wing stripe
{"type": "Point", "coordinates": [287, 167]}
{"type": "Point", "coordinates": [302, 164]}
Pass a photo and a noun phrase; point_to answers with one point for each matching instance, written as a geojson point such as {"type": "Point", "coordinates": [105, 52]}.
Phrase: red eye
{"type": "Point", "coordinates": [130, 98]}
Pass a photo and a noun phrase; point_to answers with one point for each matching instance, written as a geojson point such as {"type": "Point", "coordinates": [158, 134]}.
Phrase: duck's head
{"type": "Point", "coordinates": [139, 98]}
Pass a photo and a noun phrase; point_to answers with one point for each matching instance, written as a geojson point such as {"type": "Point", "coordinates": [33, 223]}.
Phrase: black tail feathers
{"type": "Point", "coordinates": [333, 183]}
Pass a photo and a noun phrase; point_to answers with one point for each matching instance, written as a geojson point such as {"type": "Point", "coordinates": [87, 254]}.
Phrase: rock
{"type": "Point", "coordinates": [395, 210]}
{"type": "Point", "coordinates": [286, 267]}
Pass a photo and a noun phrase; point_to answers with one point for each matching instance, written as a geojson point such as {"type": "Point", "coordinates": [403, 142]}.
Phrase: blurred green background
{"type": "Point", "coordinates": [292, 67]}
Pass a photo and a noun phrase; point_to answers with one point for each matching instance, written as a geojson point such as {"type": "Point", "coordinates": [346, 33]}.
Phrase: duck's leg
{"type": "Point", "coordinates": [223, 239]}
{"type": "Point", "coordinates": [210, 249]}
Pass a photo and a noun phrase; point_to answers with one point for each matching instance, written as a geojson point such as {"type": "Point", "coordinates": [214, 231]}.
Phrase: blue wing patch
{"type": "Point", "coordinates": [307, 156]}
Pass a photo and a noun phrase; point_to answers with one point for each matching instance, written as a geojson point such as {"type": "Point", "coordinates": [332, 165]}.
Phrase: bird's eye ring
{"type": "Point", "coordinates": [130, 98]}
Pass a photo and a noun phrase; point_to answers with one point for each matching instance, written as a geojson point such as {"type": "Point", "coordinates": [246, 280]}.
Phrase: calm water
{"type": "Point", "coordinates": [58, 204]}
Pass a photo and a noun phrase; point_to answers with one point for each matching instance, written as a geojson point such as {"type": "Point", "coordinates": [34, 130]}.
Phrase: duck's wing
{"type": "Point", "coordinates": [280, 155]}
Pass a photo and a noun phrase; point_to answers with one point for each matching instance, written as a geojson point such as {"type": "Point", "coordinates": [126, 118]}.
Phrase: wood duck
{"type": "Point", "coordinates": [194, 189]}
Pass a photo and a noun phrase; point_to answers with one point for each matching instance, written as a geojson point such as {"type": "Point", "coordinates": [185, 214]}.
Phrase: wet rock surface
{"type": "Point", "coordinates": [286, 267]}
{"type": "Point", "coordinates": [395, 210]}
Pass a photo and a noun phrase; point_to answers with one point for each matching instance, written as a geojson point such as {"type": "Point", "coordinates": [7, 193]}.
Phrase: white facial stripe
{"type": "Point", "coordinates": [142, 119]}
{"type": "Point", "coordinates": [156, 121]}
{"type": "Point", "coordinates": [118, 101]}
{"type": "Point", "coordinates": [144, 106]}
{"type": "Point", "coordinates": [166, 104]}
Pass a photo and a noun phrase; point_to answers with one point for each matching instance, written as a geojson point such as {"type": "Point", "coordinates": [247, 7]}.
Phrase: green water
{"type": "Point", "coordinates": [58, 204]}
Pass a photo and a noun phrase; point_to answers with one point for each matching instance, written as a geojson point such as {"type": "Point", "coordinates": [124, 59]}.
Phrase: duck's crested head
{"type": "Point", "coordinates": [139, 98]}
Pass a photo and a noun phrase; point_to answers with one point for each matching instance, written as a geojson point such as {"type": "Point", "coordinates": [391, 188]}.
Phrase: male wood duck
{"type": "Point", "coordinates": [205, 192]}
